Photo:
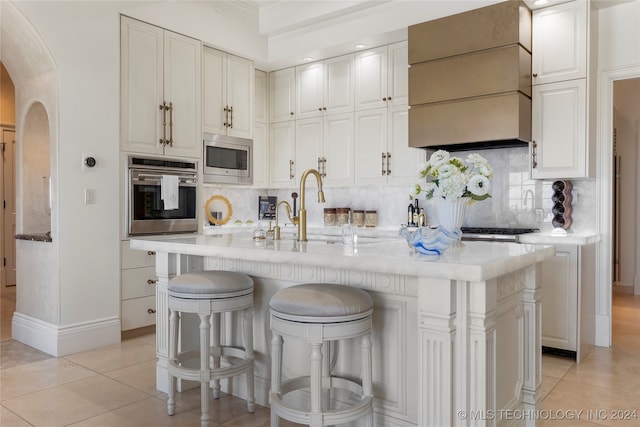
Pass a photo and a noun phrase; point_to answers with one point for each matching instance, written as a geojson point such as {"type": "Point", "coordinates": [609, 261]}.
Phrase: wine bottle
{"type": "Point", "coordinates": [410, 212]}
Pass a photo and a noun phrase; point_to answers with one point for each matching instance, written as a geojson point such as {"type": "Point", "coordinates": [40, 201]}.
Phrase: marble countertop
{"type": "Point", "coordinates": [474, 261]}
{"type": "Point", "coordinates": [547, 238]}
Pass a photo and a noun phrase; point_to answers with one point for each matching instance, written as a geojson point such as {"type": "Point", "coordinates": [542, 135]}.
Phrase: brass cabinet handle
{"type": "Point", "coordinates": [291, 176]}
{"type": "Point", "coordinates": [291, 113]}
{"type": "Point", "coordinates": [323, 170]}
{"type": "Point", "coordinates": [384, 99]}
{"type": "Point", "coordinates": [231, 114]}
{"type": "Point", "coordinates": [226, 116]}
{"type": "Point", "coordinates": [534, 75]}
{"type": "Point", "coordinates": [151, 282]}
{"type": "Point", "coordinates": [384, 157]}
{"type": "Point", "coordinates": [163, 108]}
{"type": "Point", "coordinates": [388, 98]}
{"type": "Point", "coordinates": [388, 162]}
{"type": "Point", "coordinates": [319, 108]}
{"type": "Point", "coordinates": [151, 311]}
{"type": "Point", "coordinates": [151, 253]}
{"type": "Point", "coordinates": [534, 155]}
{"type": "Point", "coordinates": [170, 108]}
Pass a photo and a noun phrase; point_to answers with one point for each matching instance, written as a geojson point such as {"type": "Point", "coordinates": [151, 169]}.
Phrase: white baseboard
{"type": "Point", "coordinates": [622, 288]}
{"type": "Point", "coordinates": [63, 340]}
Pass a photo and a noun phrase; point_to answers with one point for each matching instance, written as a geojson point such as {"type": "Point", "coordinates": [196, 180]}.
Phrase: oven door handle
{"type": "Point", "coordinates": [155, 178]}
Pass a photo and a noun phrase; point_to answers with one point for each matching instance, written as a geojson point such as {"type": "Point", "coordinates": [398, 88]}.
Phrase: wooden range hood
{"type": "Point", "coordinates": [470, 79]}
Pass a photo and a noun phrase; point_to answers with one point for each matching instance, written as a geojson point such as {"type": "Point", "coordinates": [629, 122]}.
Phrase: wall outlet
{"type": "Point", "coordinates": [539, 215]}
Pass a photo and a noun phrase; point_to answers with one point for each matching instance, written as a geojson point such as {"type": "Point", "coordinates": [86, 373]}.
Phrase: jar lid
{"type": "Point", "coordinates": [359, 211]}
{"type": "Point", "coordinates": [330, 210]}
{"type": "Point", "coordinates": [343, 210]}
{"type": "Point", "coordinates": [371, 212]}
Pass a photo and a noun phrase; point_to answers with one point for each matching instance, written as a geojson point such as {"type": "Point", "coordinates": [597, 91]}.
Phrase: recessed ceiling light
{"type": "Point", "coordinates": [540, 2]}
{"type": "Point", "coordinates": [361, 46]}
{"type": "Point", "coordinates": [307, 59]}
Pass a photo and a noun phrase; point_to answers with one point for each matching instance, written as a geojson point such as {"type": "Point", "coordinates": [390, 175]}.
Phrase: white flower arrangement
{"type": "Point", "coordinates": [451, 178]}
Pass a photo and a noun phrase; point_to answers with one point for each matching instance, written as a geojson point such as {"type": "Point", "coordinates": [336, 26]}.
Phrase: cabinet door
{"type": "Point", "coordinates": [214, 91]}
{"type": "Point", "coordinates": [182, 88]}
{"type": "Point", "coordinates": [308, 144]}
{"type": "Point", "coordinates": [398, 78]}
{"type": "Point", "coordinates": [559, 146]}
{"type": "Point", "coordinates": [240, 94]}
{"type": "Point", "coordinates": [403, 161]}
{"type": "Point", "coordinates": [261, 96]}
{"type": "Point", "coordinates": [141, 86]}
{"type": "Point", "coordinates": [282, 99]}
{"type": "Point", "coordinates": [309, 90]}
{"type": "Point", "coordinates": [338, 85]}
{"type": "Point", "coordinates": [260, 155]}
{"type": "Point", "coordinates": [560, 298]}
{"type": "Point", "coordinates": [371, 146]}
{"type": "Point", "coordinates": [371, 79]}
{"type": "Point", "coordinates": [282, 154]}
{"type": "Point", "coordinates": [559, 50]}
{"type": "Point", "coordinates": [338, 150]}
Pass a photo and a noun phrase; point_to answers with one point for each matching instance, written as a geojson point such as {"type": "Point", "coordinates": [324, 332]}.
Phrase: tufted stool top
{"type": "Point", "coordinates": [317, 302]}
{"type": "Point", "coordinates": [210, 284]}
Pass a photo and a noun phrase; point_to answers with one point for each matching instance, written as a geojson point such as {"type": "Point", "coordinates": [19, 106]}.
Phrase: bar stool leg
{"type": "Point", "coordinates": [367, 369]}
{"type": "Point", "coordinates": [205, 373]}
{"type": "Point", "coordinates": [173, 355]}
{"type": "Point", "coordinates": [276, 364]}
{"type": "Point", "coordinates": [215, 351]}
{"type": "Point", "coordinates": [247, 339]}
{"type": "Point", "coordinates": [316, 384]}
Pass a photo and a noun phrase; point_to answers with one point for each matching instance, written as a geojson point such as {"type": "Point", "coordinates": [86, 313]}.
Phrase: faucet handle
{"type": "Point", "coordinates": [294, 196]}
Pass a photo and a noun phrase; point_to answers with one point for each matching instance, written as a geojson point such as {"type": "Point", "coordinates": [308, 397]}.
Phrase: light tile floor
{"type": "Point", "coordinates": [115, 385]}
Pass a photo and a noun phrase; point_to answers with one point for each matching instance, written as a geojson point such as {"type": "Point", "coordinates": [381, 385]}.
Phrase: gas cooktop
{"type": "Point", "coordinates": [494, 234]}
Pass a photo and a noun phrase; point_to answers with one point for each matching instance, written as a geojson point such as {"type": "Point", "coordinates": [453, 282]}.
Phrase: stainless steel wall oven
{"type": "Point", "coordinates": [147, 213]}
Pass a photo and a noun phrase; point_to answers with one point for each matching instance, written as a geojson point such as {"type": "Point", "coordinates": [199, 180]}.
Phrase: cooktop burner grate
{"type": "Point", "coordinates": [498, 230]}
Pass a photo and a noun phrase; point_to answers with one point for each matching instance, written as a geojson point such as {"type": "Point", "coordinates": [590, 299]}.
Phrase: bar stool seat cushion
{"type": "Point", "coordinates": [314, 302]}
{"type": "Point", "coordinates": [210, 284]}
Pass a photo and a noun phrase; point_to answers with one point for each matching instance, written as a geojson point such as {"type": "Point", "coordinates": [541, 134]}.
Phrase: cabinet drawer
{"type": "Point", "coordinates": [138, 312]}
{"type": "Point", "coordinates": [132, 258]}
{"type": "Point", "coordinates": [138, 282]}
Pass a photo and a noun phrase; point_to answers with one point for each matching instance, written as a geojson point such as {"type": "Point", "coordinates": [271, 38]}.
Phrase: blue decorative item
{"type": "Point", "coordinates": [431, 241]}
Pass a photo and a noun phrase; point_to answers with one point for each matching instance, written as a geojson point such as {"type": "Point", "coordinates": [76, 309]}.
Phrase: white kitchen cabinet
{"type": "Point", "coordinates": [228, 95]}
{"type": "Point", "coordinates": [325, 87]}
{"type": "Point", "coordinates": [381, 150]}
{"type": "Point", "coordinates": [160, 91]}
{"type": "Point", "coordinates": [260, 155]}
{"type": "Point", "coordinates": [559, 49]}
{"type": "Point", "coordinates": [382, 77]}
{"type": "Point", "coordinates": [282, 95]}
{"type": "Point", "coordinates": [282, 154]}
{"type": "Point", "coordinates": [261, 108]}
{"type": "Point", "coordinates": [560, 299]}
{"type": "Point", "coordinates": [137, 287]}
{"type": "Point", "coordinates": [261, 132]}
{"type": "Point", "coordinates": [568, 299]}
{"type": "Point", "coordinates": [326, 144]}
{"type": "Point", "coordinates": [559, 147]}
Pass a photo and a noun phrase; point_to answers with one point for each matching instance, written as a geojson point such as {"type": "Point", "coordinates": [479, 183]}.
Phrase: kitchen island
{"type": "Point", "coordinates": [456, 339]}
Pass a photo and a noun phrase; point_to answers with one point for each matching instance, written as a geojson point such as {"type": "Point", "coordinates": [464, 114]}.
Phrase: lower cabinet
{"type": "Point", "coordinates": [137, 288]}
{"type": "Point", "coordinates": [568, 299]}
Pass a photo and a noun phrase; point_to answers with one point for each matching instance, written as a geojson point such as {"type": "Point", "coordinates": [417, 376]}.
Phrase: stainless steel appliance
{"type": "Point", "coordinates": [227, 159]}
{"type": "Point", "coordinates": [494, 234]}
{"type": "Point", "coordinates": [146, 209]}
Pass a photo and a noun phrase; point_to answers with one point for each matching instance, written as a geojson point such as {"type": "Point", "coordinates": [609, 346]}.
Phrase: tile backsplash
{"type": "Point", "coordinates": [513, 203]}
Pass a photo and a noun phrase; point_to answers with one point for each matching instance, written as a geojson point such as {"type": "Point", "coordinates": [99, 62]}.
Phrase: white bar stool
{"type": "Point", "coordinates": [208, 294]}
{"type": "Point", "coordinates": [319, 314]}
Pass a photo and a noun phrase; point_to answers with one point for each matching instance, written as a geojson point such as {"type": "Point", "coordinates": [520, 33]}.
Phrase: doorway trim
{"type": "Point", "coordinates": [604, 171]}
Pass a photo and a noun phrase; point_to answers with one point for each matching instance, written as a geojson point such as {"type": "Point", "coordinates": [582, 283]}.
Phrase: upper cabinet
{"type": "Point", "coordinates": [561, 146]}
{"type": "Point", "coordinates": [228, 94]}
{"type": "Point", "coordinates": [381, 77]}
{"type": "Point", "coordinates": [282, 99]}
{"type": "Point", "coordinates": [260, 132]}
{"type": "Point", "coordinates": [324, 87]}
{"type": "Point", "coordinates": [160, 91]}
{"type": "Point", "coordinates": [560, 43]}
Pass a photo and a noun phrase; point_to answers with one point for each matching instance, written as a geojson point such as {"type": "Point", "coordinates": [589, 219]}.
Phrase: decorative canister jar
{"type": "Point", "coordinates": [371, 219]}
{"type": "Point", "coordinates": [342, 216]}
{"type": "Point", "coordinates": [358, 218]}
{"type": "Point", "coordinates": [329, 216]}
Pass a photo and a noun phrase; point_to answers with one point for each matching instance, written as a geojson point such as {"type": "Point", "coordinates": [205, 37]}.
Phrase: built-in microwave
{"type": "Point", "coordinates": [227, 159]}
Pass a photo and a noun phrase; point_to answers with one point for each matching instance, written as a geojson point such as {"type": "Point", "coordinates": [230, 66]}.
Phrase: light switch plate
{"type": "Point", "coordinates": [89, 196]}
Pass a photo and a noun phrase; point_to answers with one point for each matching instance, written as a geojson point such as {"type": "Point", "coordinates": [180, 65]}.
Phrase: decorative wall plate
{"type": "Point", "coordinates": [218, 203]}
